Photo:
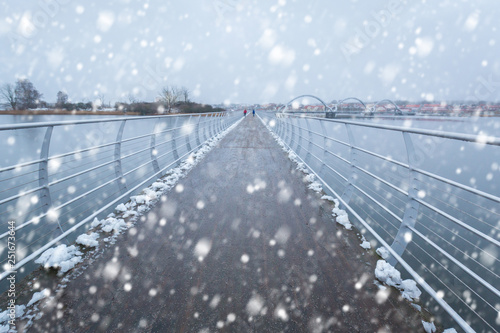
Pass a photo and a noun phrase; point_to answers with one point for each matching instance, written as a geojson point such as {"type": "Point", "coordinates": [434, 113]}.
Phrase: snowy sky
{"type": "Point", "coordinates": [254, 52]}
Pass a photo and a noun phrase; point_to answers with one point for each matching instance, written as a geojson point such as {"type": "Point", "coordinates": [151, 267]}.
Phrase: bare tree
{"type": "Point", "coordinates": [131, 99]}
{"type": "Point", "coordinates": [8, 96]}
{"type": "Point", "coordinates": [102, 104]}
{"type": "Point", "coordinates": [27, 97]}
{"type": "Point", "coordinates": [184, 92]}
{"type": "Point", "coordinates": [62, 99]}
{"type": "Point", "coordinates": [169, 96]}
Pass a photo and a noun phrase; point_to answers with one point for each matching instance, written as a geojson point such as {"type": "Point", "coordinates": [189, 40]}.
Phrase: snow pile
{"type": "Point", "coordinates": [23, 313]}
{"type": "Point", "coordinates": [5, 317]}
{"type": "Point", "coordinates": [341, 215]}
{"type": "Point", "coordinates": [314, 185]}
{"type": "Point", "coordinates": [113, 224]}
{"type": "Point", "coordinates": [450, 330]}
{"type": "Point", "coordinates": [365, 244]}
{"type": "Point", "coordinates": [329, 198]}
{"type": "Point", "coordinates": [62, 257]}
{"type": "Point", "coordinates": [88, 240]}
{"type": "Point", "coordinates": [389, 275]}
{"type": "Point", "coordinates": [110, 224]}
{"type": "Point", "coordinates": [38, 296]}
{"type": "Point", "coordinates": [429, 327]}
{"type": "Point", "coordinates": [121, 208]}
{"type": "Point", "coordinates": [383, 253]}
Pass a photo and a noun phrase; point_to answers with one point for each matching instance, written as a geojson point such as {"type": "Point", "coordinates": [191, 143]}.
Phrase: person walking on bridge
{"type": "Point", "coordinates": [253, 112]}
{"type": "Point", "coordinates": [245, 113]}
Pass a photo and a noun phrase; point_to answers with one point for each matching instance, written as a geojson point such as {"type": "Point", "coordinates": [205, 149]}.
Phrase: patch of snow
{"type": "Point", "coordinates": [95, 223]}
{"type": "Point", "coordinates": [429, 327]}
{"type": "Point", "coordinates": [121, 208]}
{"type": "Point", "coordinates": [38, 296]}
{"type": "Point", "coordinates": [130, 213]}
{"type": "Point", "coordinates": [5, 317]}
{"type": "Point", "coordinates": [329, 198]}
{"type": "Point", "coordinates": [389, 275]}
{"type": "Point", "coordinates": [450, 330]}
{"type": "Point", "coordinates": [383, 252]}
{"type": "Point", "coordinates": [341, 215]}
{"type": "Point", "coordinates": [316, 187]}
{"type": "Point", "coordinates": [61, 257]}
{"type": "Point", "coordinates": [88, 240]}
{"type": "Point", "coordinates": [417, 307]}
{"type": "Point", "coordinates": [366, 245]}
{"type": "Point", "coordinates": [113, 224]}
{"type": "Point", "coordinates": [310, 178]}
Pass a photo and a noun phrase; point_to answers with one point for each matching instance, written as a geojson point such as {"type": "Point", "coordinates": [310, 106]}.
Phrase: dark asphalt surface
{"type": "Point", "coordinates": [241, 245]}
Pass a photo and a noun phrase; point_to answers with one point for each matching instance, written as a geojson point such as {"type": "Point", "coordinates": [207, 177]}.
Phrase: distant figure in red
{"type": "Point", "coordinates": [245, 113]}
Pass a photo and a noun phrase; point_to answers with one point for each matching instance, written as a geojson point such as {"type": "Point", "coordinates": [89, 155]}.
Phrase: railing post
{"type": "Point", "coordinates": [404, 235]}
{"type": "Point", "coordinates": [154, 153]}
{"type": "Point", "coordinates": [349, 189]}
{"type": "Point", "coordinates": [292, 133]}
{"type": "Point", "coordinates": [197, 130]}
{"type": "Point", "coordinates": [279, 126]}
{"type": "Point", "coordinates": [287, 135]}
{"type": "Point", "coordinates": [118, 159]}
{"type": "Point", "coordinates": [43, 171]}
{"type": "Point", "coordinates": [217, 124]}
{"type": "Point", "coordinates": [210, 125]}
{"type": "Point", "coordinates": [174, 141]}
{"type": "Point", "coordinates": [188, 136]}
{"type": "Point", "coordinates": [309, 143]}
{"type": "Point", "coordinates": [282, 132]}
{"type": "Point", "coordinates": [204, 128]}
{"type": "Point", "coordinates": [325, 149]}
{"type": "Point", "coordinates": [43, 174]}
{"type": "Point", "coordinates": [299, 136]}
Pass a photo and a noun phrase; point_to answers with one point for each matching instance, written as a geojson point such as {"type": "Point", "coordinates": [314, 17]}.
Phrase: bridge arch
{"type": "Point", "coordinates": [348, 98]}
{"type": "Point", "coordinates": [388, 101]}
{"type": "Point", "coordinates": [285, 107]}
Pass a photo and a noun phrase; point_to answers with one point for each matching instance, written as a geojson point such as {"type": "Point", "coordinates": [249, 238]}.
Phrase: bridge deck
{"type": "Point", "coordinates": [273, 259]}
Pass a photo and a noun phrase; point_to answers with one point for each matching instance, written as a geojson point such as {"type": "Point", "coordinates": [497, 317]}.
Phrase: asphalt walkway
{"type": "Point", "coordinates": [241, 245]}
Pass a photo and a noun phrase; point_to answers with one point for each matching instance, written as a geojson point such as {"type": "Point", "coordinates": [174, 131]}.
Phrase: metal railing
{"type": "Point", "coordinates": [55, 177]}
{"type": "Point", "coordinates": [400, 186]}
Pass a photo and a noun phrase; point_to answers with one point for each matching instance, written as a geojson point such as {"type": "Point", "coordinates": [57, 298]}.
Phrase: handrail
{"type": "Point", "coordinates": [297, 132]}
{"type": "Point", "coordinates": [133, 165]}
{"type": "Point", "coordinates": [94, 121]}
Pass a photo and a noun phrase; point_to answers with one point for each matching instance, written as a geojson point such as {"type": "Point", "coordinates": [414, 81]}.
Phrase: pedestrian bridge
{"type": "Point", "coordinates": [243, 243]}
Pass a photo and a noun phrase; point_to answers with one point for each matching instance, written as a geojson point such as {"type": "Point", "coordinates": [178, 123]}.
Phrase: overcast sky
{"type": "Point", "coordinates": [254, 52]}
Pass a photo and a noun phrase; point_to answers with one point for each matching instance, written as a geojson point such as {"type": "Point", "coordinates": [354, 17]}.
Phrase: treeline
{"type": "Point", "coordinates": [150, 108]}
{"type": "Point", "coordinates": [23, 96]}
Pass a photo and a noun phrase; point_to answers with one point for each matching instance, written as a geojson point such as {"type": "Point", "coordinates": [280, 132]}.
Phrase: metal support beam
{"type": "Point", "coordinates": [153, 151]}
{"type": "Point", "coordinates": [188, 136]}
{"type": "Point", "coordinates": [121, 182]}
{"type": "Point", "coordinates": [309, 142]}
{"type": "Point", "coordinates": [349, 189]}
{"type": "Point", "coordinates": [405, 235]}
{"type": "Point", "coordinates": [197, 131]}
{"type": "Point", "coordinates": [43, 175]}
{"type": "Point", "coordinates": [174, 143]}
{"type": "Point", "coordinates": [299, 136]}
